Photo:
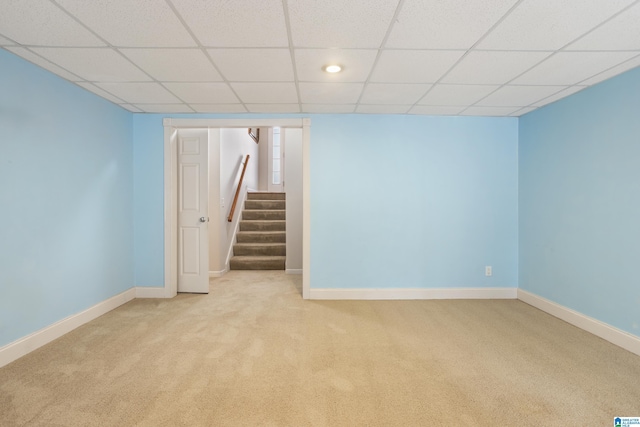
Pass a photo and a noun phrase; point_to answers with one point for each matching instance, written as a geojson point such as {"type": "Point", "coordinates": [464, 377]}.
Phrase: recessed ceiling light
{"type": "Point", "coordinates": [333, 68]}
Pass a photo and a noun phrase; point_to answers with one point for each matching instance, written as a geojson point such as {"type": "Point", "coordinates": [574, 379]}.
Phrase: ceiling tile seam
{"type": "Point", "coordinates": [554, 94]}
{"type": "Point", "coordinates": [620, 12]}
{"type": "Point", "coordinates": [287, 23]}
{"type": "Point", "coordinates": [153, 79]}
{"type": "Point", "coordinates": [204, 51]}
{"type": "Point", "coordinates": [106, 91]}
{"type": "Point", "coordinates": [546, 59]}
{"type": "Point", "coordinates": [633, 58]}
{"type": "Point", "coordinates": [471, 48]}
{"type": "Point", "coordinates": [15, 43]}
{"type": "Point", "coordinates": [393, 21]}
{"type": "Point", "coordinates": [82, 24]}
{"type": "Point", "coordinates": [109, 46]}
{"type": "Point", "coordinates": [80, 79]}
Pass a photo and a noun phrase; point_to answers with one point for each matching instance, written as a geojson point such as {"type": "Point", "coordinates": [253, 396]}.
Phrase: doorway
{"type": "Point", "coordinates": [171, 186]}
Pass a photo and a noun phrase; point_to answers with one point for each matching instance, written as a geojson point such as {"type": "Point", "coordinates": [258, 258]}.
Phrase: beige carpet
{"type": "Point", "coordinates": [253, 353]}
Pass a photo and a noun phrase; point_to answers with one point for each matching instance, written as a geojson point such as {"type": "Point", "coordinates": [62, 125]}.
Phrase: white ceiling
{"type": "Point", "coordinates": [435, 57]}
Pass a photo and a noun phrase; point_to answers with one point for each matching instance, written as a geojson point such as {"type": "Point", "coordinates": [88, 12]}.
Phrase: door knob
{"type": "Point", "coordinates": [203, 219]}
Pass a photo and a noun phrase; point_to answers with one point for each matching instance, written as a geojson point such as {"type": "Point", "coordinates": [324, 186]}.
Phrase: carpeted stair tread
{"type": "Point", "coordinates": [264, 214]}
{"type": "Point", "coordinates": [265, 204]}
{"type": "Point", "coordinates": [260, 249]}
{"type": "Point", "coordinates": [261, 237]}
{"type": "Point", "coordinates": [262, 225]}
{"type": "Point", "coordinates": [257, 263]}
{"type": "Point", "coordinates": [265, 196]}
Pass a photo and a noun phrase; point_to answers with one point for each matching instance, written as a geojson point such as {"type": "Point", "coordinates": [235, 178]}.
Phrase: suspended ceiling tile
{"type": "Point", "coordinates": [140, 92]}
{"type": "Point", "coordinates": [250, 23]}
{"type": "Point", "coordinates": [266, 93]}
{"type": "Point", "coordinates": [489, 111]}
{"type": "Point", "coordinates": [41, 23]}
{"type": "Point", "coordinates": [254, 65]}
{"type": "Point", "coordinates": [518, 96]}
{"type": "Point", "coordinates": [620, 33]}
{"type": "Point", "coordinates": [556, 96]}
{"type": "Point", "coordinates": [203, 93]}
{"type": "Point", "coordinates": [131, 23]}
{"type": "Point", "coordinates": [433, 110]}
{"type": "Point", "coordinates": [382, 109]}
{"type": "Point", "coordinates": [330, 93]}
{"type": "Point", "coordinates": [569, 68]}
{"type": "Point", "coordinates": [41, 62]}
{"type": "Point", "coordinates": [613, 71]}
{"type": "Point", "coordinates": [174, 65]}
{"type": "Point", "coordinates": [414, 66]}
{"type": "Point", "coordinates": [492, 67]}
{"type": "Point", "coordinates": [451, 24]}
{"type": "Point", "coordinates": [273, 108]}
{"type": "Point", "coordinates": [100, 92]}
{"type": "Point", "coordinates": [94, 64]}
{"type": "Point", "coordinates": [388, 93]}
{"type": "Point", "coordinates": [443, 94]}
{"type": "Point", "coordinates": [356, 64]}
{"type": "Point", "coordinates": [549, 24]}
{"type": "Point", "coordinates": [328, 108]}
{"type": "Point", "coordinates": [165, 108]}
{"type": "Point", "coordinates": [131, 108]}
{"type": "Point", "coordinates": [219, 108]}
{"type": "Point", "coordinates": [523, 111]}
{"type": "Point", "coordinates": [339, 23]}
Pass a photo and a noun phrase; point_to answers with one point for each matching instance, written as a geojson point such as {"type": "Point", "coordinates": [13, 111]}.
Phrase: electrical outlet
{"type": "Point", "coordinates": [488, 271]}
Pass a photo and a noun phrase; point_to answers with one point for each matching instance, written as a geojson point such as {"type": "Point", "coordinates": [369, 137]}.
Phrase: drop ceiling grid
{"type": "Point", "coordinates": [490, 57]}
{"type": "Point", "coordinates": [43, 63]}
{"type": "Point", "coordinates": [6, 42]}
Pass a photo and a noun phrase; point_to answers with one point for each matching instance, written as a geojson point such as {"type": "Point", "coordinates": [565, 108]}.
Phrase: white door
{"type": "Point", "coordinates": [193, 220]}
{"type": "Point", "coordinates": [276, 162]}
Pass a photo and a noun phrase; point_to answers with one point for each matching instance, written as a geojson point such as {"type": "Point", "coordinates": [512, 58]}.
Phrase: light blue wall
{"type": "Point", "coordinates": [413, 201]}
{"type": "Point", "coordinates": [66, 222]}
{"type": "Point", "coordinates": [580, 202]}
{"type": "Point", "coordinates": [397, 201]}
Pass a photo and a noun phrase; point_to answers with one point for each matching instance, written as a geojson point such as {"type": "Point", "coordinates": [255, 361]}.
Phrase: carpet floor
{"type": "Point", "coordinates": [253, 353]}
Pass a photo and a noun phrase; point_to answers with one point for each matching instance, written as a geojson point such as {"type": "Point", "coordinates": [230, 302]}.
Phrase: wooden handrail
{"type": "Point", "coordinates": [235, 199]}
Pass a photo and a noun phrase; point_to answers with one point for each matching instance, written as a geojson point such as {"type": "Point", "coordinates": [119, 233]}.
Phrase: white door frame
{"type": "Point", "coordinates": [171, 190]}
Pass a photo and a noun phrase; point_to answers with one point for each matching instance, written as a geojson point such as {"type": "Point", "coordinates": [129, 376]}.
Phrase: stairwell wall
{"type": "Point", "coordinates": [292, 139]}
{"type": "Point", "coordinates": [235, 144]}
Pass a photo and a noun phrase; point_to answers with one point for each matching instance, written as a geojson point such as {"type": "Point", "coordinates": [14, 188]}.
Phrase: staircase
{"type": "Point", "coordinates": [261, 239]}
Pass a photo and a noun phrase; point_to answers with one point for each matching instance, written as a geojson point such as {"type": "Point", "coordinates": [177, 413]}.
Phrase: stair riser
{"type": "Point", "coordinates": [266, 196]}
{"type": "Point", "coordinates": [256, 265]}
{"type": "Point", "coordinates": [264, 204]}
{"type": "Point", "coordinates": [257, 237]}
{"type": "Point", "coordinates": [280, 250]}
{"type": "Point", "coordinates": [263, 215]}
{"type": "Point", "coordinates": [262, 226]}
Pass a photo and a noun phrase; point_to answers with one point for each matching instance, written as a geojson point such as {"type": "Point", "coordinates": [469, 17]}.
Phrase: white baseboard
{"type": "Point", "coordinates": [596, 327]}
{"type": "Point", "coordinates": [218, 273]}
{"type": "Point", "coordinates": [151, 292]}
{"type": "Point", "coordinates": [408, 294]}
{"type": "Point", "coordinates": [293, 271]}
{"type": "Point", "coordinates": [31, 342]}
